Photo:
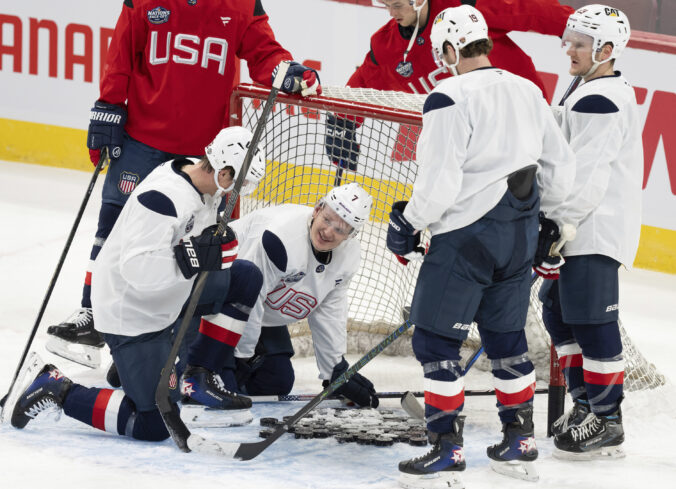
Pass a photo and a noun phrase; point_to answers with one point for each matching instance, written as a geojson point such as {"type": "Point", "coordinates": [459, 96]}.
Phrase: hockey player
{"type": "Point", "coordinates": [144, 274]}
{"type": "Point", "coordinates": [165, 92]}
{"type": "Point", "coordinates": [600, 120]}
{"type": "Point", "coordinates": [485, 134]}
{"type": "Point", "coordinates": [399, 58]}
{"type": "Point", "coordinates": [308, 257]}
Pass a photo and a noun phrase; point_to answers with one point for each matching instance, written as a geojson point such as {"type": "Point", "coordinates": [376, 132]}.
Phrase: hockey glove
{"type": "Point", "coordinates": [547, 263]}
{"type": "Point", "coordinates": [402, 239]}
{"type": "Point", "coordinates": [341, 142]}
{"type": "Point", "coordinates": [300, 79]}
{"type": "Point", "coordinates": [206, 252]}
{"type": "Point", "coordinates": [106, 128]}
{"type": "Point", "coordinates": [358, 389]}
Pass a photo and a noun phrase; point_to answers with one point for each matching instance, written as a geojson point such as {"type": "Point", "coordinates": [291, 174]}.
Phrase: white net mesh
{"type": "Point", "coordinates": [300, 171]}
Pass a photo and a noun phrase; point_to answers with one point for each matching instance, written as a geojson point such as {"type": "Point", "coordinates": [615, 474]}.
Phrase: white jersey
{"type": "Point", "coordinates": [137, 286]}
{"type": "Point", "coordinates": [477, 129]}
{"type": "Point", "coordinates": [601, 122]}
{"type": "Point", "coordinates": [295, 284]}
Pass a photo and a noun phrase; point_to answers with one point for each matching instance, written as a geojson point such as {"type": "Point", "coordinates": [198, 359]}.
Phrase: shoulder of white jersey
{"type": "Point", "coordinates": [601, 96]}
{"type": "Point", "coordinates": [165, 192]}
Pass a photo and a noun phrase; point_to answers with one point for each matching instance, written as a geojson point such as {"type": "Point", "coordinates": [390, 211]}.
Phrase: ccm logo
{"type": "Point", "coordinates": [613, 307]}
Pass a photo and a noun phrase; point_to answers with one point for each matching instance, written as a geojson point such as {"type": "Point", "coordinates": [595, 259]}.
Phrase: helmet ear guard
{"type": "Point", "coordinates": [229, 148]}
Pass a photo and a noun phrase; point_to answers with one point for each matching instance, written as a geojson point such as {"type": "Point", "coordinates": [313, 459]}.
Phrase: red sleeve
{"type": "Point", "coordinates": [128, 41]}
{"type": "Point", "coordinates": [542, 16]}
{"type": "Point", "coordinates": [369, 75]}
{"type": "Point", "coordinates": [261, 50]}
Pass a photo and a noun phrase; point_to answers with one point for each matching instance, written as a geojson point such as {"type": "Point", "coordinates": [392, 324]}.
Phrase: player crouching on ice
{"type": "Point", "coordinates": [144, 274]}
{"type": "Point", "coordinates": [308, 257]}
{"type": "Point", "coordinates": [491, 157]}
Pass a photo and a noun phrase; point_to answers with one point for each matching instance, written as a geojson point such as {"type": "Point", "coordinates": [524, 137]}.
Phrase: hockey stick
{"type": "Point", "coordinates": [172, 419]}
{"type": "Point", "coordinates": [247, 451]}
{"type": "Point", "coordinates": [103, 161]}
{"type": "Point", "coordinates": [380, 395]}
{"type": "Point", "coordinates": [571, 88]}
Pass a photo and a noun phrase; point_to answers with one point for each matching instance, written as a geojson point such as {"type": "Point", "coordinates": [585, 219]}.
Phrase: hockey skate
{"type": "Point", "coordinates": [207, 403]}
{"type": "Point", "coordinates": [515, 455]}
{"type": "Point", "coordinates": [440, 466]}
{"type": "Point", "coordinates": [572, 417]}
{"type": "Point", "coordinates": [28, 372]}
{"type": "Point", "coordinates": [76, 340]}
{"type": "Point", "coordinates": [45, 394]}
{"type": "Point", "coordinates": [596, 437]}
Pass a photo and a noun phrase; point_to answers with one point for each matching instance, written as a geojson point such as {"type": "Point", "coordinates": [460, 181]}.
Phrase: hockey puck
{"type": "Point", "coordinates": [303, 433]}
{"type": "Point", "coordinates": [320, 433]}
{"type": "Point", "coordinates": [417, 441]}
{"type": "Point", "coordinates": [269, 422]}
{"type": "Point", "coordinates": [365, 439]}
{"type": "Point", "coordinates": [345, 438]}
{"type": "Point", "coordinates": [383, 441]}
{"type": "Point", "coordinates": [265, 433]}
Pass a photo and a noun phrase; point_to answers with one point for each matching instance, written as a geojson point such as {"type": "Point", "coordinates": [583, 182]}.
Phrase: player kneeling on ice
{"type": "Point", "coordinates": [601, 121]}
{"type": "Point", "coordinates": [144, 274]}
{"type": "Point", "coordinates": [491, 156]}
{"type": "Point", "coordinates": [308, 257]}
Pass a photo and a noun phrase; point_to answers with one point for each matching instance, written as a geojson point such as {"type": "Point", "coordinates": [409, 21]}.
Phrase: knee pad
{"type": "Point", "coordinates": [275, 376]}
{"type": "Point", "coordinates": [148, 426]}
{"type": "Point", "coordinates": [430, 347]}
{"type": "Point", "coordinates": [599, 340]}
{"type": "Point", "coordinates": [505, 344]}
{"type": "Point", "coordinates": [246, 281]}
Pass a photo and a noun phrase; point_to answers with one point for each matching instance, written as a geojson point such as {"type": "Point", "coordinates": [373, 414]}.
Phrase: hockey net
{"type": "Point", "coordinates": [299, 171]}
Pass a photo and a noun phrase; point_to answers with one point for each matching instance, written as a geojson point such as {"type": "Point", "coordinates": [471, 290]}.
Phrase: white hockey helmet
{"type": "Point", "coordinates": [229, 149]}
{"type": "Point", "coordinates": [352, 204]}
{"type": "Point", "coordinates": [459, 26]}
{"type": "Point", "coordinates": [603, 25]}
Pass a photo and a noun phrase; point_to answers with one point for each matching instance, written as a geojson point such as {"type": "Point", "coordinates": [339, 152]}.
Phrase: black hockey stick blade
{"type": "Point", "coordinates": [177, 429]}
{"type": "Point", "coordinates": [248, 451]}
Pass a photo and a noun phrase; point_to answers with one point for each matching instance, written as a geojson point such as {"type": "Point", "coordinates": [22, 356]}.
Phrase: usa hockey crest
{"type": "Point", "coordinates": [128, 182]}
{"type": "Point", "coordinates": [320, 268]}
{"type": "Point", "coordinates": [158, 15]}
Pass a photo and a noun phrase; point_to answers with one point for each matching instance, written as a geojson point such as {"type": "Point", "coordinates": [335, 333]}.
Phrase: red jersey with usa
{"type": "Point", "coordinates": [173, 63]}
{"type": "Point", "coordinates": [385, 68]}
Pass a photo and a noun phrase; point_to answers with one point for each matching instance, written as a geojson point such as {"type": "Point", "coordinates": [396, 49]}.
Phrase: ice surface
{"type": "Point", "coordinates": [37, 208]}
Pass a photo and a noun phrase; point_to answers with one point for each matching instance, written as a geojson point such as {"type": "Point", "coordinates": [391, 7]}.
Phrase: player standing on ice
{"type": "Point", "coordinates": [308, 257]}
{"type": "Point", "coordinates": [399, 58]}
{"type": "Point", "coordinates": [165, 93]}
{"type": "Point", "coordinates": [485, 134]}
{"type": "Point", "coordinates": [144, 274]}
{"type": "Point", "coordinates": [580, 310]}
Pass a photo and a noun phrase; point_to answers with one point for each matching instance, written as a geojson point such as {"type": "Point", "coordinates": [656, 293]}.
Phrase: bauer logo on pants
{"type": "Point", "coordinates": [128, 182]}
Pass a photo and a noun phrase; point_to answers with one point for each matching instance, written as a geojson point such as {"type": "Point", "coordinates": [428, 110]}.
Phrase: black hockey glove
{"type": "Point", "coordinates": [106, 128]}
{"type": "Point", "coordinates": [402, 239]}
{"type": "Point", "coordinates": [208, 251]}
{"type": "Point", "coordinates": [358, 389]}
{"type": "Point", "coordinates": [341, 142]}
{"type": "Point", "coordinates": [546, 265]}
{"type": "Point", "coordinates": [300, 79]}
